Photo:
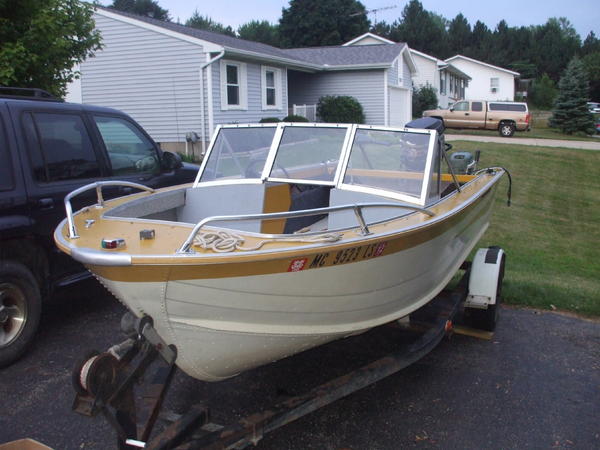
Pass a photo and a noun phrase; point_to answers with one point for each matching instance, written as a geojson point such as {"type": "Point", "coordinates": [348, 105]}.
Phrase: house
{"type": "Point", "coordinates": [175, 79]}
{"type": "Point", "coordinates": [448, 80]}
{"type": "Point", "coordinates": [488, 82]}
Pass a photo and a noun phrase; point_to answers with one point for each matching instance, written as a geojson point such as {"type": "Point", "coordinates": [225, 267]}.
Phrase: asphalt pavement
{"type": "Point", "coordinates": [535, 385]}
{"type": "Point", "coordinates": [515, 140]}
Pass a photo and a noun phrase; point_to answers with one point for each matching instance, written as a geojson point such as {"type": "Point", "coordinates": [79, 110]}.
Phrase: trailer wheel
{"type": "Point", "coordinates": [486, 319]}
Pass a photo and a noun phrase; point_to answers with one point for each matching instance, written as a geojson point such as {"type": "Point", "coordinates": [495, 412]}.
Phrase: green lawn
{"type": "Point", "coordinates": [535, 133]}
{"type": "Point", "coordinates": [551, 233]}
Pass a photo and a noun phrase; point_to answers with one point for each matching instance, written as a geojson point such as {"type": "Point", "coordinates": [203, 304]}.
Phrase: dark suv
{"type": "Point", "coordinates": [47, 149]}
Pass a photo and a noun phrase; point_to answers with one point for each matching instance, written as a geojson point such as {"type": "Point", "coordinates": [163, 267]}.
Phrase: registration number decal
{"type": "Point", "coordinates": [347, 255]}
{"type": "Point", "coordinates": [297, 265]}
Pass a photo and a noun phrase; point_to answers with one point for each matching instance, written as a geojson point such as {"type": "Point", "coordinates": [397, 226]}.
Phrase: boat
{"type": "Point", "coordinates": [292, 235]}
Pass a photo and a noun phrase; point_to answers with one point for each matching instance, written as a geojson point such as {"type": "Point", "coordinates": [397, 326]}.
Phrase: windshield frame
{"type": "Point", "coordinates": [342, 165]}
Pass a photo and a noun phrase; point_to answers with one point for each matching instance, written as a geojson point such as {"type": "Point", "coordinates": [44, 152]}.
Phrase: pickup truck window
{"type": "Point", "coordinates": [507, 107]}
{"type": "Point", "coordinates": [461, 106]}
{"type": "Point", "coordinates": [60, 147]}
{"type": "Point", "coordinates": [476, 106]}
{"type": "Point", "coordinates": [129, 150]}
{"type": "Point", "coordinates": [6, 176]}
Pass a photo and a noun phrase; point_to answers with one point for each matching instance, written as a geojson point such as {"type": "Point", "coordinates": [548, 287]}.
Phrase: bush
{"type": "Point", "coordinates": [295, 118]}
{"type": "Point", "coordinates": [423, 98]}
{"type": "Point", "coordinates": [543, 92]}
{"type": "Point", "coordinates": [340, 109]}
{"type": "Point", "coordinates": [269, 120]}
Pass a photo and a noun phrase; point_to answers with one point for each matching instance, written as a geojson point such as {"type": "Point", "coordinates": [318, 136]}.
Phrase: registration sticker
{"type": "Point", "coordinates": [297, 265]}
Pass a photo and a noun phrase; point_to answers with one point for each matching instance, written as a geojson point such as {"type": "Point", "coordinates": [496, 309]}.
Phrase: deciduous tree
{"type": "Point", "coordinates": [307, 23]}
{"type": "Point", "coordinates": [206, 23]}
{"type": "Point", "coordinates": [148, 8]}
{"type": "Point", "coordinates": [41, 41]}
{"type": "Point", "coordinates": [262, 31]}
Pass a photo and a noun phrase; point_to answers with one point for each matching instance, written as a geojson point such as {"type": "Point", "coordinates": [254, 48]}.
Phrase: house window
{"type": "Point", "coordinates": [233, 85]}
{"type": "Point", "coordinates": [272, 89]}
{"type": "Point", "coordinates": [443, 83]}
{"type": "Point", "coordinates": [494, 84]}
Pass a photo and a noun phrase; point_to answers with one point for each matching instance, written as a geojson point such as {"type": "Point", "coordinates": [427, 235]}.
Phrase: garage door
{"type": "Point", "coordinates": [400, 106]}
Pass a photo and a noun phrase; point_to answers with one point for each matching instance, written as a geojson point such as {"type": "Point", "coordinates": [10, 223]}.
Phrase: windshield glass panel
{"type": "Point", "coordinates": [238, 153]}
{"type": "Point", "coordinates": [390, 160]}
{"type": "Point", "coordinates": [309, 153]}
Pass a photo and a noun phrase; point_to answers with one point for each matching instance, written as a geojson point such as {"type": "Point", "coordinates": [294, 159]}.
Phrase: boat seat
{"type": "Point", "coordinates": [342, 219]}
{"type": "Point", "coordinates": [311, 197]}
{"type": "Point", "coordinates": [224, 200]}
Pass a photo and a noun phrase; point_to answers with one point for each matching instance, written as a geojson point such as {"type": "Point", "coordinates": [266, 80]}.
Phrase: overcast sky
{"type": "Point", "coordinates": [583, 14]}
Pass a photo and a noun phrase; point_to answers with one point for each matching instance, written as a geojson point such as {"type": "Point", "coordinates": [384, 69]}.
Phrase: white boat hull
{"type": "Point", "coordinates": [224, 326]}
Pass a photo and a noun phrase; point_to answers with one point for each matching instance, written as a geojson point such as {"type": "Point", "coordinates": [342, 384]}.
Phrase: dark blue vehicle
{"type": "Point", "coordinates": [48, 148]}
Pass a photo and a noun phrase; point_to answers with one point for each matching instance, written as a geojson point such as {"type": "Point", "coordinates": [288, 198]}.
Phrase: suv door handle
{"type": "Point", "coordinates": [45, 203]}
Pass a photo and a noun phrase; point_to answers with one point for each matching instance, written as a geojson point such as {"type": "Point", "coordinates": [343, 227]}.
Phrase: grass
{"type": "Point", "coordinates": [535, 133]}
{"type": "Point", "coordinates": [551, 233]}
{"type": "Point", "coordinates": [539, 130]}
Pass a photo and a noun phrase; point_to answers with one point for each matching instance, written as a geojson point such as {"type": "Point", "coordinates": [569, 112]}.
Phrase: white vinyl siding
{"type": "Point", "coordinates": [427, 72]}
{"type": "Point", "coordinates": [152, 77]}
{"type": "Point", "coordinates": [480, 86]}
{"type": "Point", "coordinates": [406, 78]}
{"type": "Point", "coordinates": [234, 85]}
{"type": "Point", "coordinates": [367, 86]}
{"type": "Point", "coordinates": [271, 88]}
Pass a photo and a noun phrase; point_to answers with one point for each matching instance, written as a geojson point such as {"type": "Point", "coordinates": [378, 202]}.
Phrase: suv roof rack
{"type": "Point", "coordinates": [27, 94]}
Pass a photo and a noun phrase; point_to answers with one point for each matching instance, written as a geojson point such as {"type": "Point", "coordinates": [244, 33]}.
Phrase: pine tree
{"type": "Point", "coordinates": [570, 112]}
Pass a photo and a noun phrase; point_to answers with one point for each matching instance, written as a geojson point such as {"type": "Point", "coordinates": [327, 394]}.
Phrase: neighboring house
{"type": "Point", "coordinates": [174, 79]}
{"type": "Point", "coordinates": [449, 81]}
{"type": "Point", "coordinates": [488, 82]}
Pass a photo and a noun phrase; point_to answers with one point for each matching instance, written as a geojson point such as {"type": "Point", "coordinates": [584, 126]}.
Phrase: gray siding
{"type": "Point", "coordinates": [393, 74]}
{"type": "Point", "coordinates": [254, 112]}
{"type": "Point", "coordinates": [367, 86]}
{"type": "Point", "coordinates": [153, 77]}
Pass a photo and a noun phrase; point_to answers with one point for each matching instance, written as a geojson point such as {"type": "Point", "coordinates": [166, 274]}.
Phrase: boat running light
{"type": "Point", "coordinates": [113, 243]}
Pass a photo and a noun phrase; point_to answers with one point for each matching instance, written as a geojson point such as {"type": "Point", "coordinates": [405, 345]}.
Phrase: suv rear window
{"type": "Point", "coordinates": [507, 107]}
{"type": "Point", "coordinates": [60, 147]}
{"type": "Point", "coordinates": [6, 176]}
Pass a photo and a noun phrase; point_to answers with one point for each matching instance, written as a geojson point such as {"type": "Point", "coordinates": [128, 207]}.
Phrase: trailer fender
{"type": "Point", "coordinates": [484, 279]}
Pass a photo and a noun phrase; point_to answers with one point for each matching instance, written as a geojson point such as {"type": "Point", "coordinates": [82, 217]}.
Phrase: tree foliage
{"type": "Point", "coordinates": [340, 109]}
{"type": "Point", "coordinates": [543, 92]}
{"type": "Point", "coordinates": [307, 23]}
{"type": "Point", "coordinates": [424, 98]}
{"type": "Point", "coordinates": [260, 31]}
{"type": "Point", "coordinates": [206, 23]}
{"type": "Point", "coordinates": [591, 63]}
{"type": "Point", "coordinates": [571, 113]}
{"type": "Point", "coordinates": [42, 40]}
{"type": "Point", "coordinates": [148, 8]}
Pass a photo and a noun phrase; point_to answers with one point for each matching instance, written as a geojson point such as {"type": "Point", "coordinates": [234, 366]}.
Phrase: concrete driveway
{"type": "Point", "coordinates": [535, 385]}
{"type": "Point", "coordinates": [587, 145]}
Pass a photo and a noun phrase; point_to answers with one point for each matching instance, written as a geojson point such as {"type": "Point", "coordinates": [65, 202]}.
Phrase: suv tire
{"type": "Point", "coordinates": [20, 308]}
{"type": "Point", "coordinates": [506, 129]}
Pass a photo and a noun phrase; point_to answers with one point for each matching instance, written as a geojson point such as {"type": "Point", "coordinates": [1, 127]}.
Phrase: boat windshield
{"type": "Point", "coordinates": [397, 163]}
{"type": "Point", "coordinates": [389, 160]}
{"type": "Point", "coordinates": [238, 153]}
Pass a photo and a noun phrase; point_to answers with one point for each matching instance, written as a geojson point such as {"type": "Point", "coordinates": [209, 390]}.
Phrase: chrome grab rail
{"type": "Point", "coordinates": [98, 185]}
{"type": "Point", "coordinates": [358, 207]}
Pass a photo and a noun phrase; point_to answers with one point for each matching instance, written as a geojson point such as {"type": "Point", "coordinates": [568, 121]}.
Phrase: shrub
{"type": "Point", "coordinates": [543, 92]}
{"type": "Point", "coordinates": [340, 109]}
{"type": "Point", "coordinates": [269, 120]}
{"type": "Point", "coordinates": [423, 98]}
{"type": "Point", "coordinates": [295, 118]}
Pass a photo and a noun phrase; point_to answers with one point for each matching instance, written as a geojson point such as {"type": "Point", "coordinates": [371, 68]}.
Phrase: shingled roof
{"type": "Point", "coordinates": [313, 57]}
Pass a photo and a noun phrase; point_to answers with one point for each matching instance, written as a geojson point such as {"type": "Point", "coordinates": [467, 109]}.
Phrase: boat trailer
{"type": "Point", "coordinates": [105, 382]}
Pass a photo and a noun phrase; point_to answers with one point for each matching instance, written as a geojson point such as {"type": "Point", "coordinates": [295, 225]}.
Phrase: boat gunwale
{"type": "Point", "coordinates": [91, 256]}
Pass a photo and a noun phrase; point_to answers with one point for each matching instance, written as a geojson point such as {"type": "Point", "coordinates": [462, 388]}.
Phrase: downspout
{"type": "Point", "coordinates": [209, 92]}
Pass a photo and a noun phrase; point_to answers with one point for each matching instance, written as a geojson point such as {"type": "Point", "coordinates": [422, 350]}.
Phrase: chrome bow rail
{"type": "Point", "coordinates": [358, 207]}
{"type": "Point", "coordinates": [98, 186]}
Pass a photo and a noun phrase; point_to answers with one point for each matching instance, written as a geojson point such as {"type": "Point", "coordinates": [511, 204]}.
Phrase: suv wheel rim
{"type": "Point", "coordinates": [13, 313]}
